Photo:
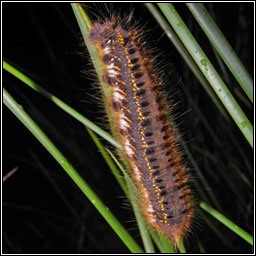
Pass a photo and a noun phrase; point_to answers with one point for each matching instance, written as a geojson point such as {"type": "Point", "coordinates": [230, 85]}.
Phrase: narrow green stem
{"type": "Point", "coordinates": [60, 103]}
{"type": "Point", "coordinates": [223, 47]}
{"type": "Point", "coordinates": [109, 161]}
{"type": "Point", "coordinates": [181, 247]}
{"type": "Point", "coordinates": [209, 71]}
{"type": "Point", "coordinates": [162, 242]}
{"type": "Point", "coordinates": [224, 220]}
{"type": "Point", "coordinates": [133, 195]}
{"type": "Point", "coordinates": [19, 112]}
{"type": "Point", "coordinates": [186, 56]}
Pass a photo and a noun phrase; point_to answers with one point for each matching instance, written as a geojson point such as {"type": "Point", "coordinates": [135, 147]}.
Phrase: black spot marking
{"type": "Point", "coordinates": [133, 61]}
{"type": "Point", "coordinates": [158, 180]}
{"type": "Point", "coordinates": [144, 104]}
{"type": "Point", "coordinates": [167, 153]}
{"type": "Point", "coordinates": [152, 160]}
{"type": "Point", "coordinates": [161, 107]}
{"type": "Point", "coordinates": [177, 180]}
{"type": "Point", "coordinates": [126, 40]}
{"type": "Point", "coordinates": [182, 196]}
{"type": "Point", "coordinates": [166, 145]}
{"type": "Point", "coordinates": [114, 25]}
{"type": "Point", "coordinates": [165, 137]}
{"type": "Point", "coordinates": [132, 51]}
{"type": "Point", "coordinates": [150, 151]}
{"type": "Point", "coordinates": [107, 58]}
{"type": "Point", "coordinates": [163, 193]}
{"type": "Point", "coordinates": [155, 166]}
{"type": "Point", "coordinates": [145, 122]}
{"type": "Point", "coordinates": [148, 134]}
{"type": "Point", "coordinates": [162, 117]}
{"type": "Point", "coordinates": [145, 113]}
{"type": "Point", "coordinates": [150, 142]}
{"type": "Point", "coordinates": [135, 68]}
{"type": "Point", "coordinates": [184, 211]}
{"type": "Point", "coordinates": [115, 105]}
{"type": "Point", "coordinates": [158, 99]}
{"type": "Point", "coordinates": [138, 75]}
{"type": "Point", "coordinates": [169, 216]}
{"type": "Point", "coordinates": [165, 202]}
{"type": "Point", "coordinates": [140, 92]}
{"type": "Point", "coordinates": [140, 84]}
{"type": "Point", "coordinates": [161, 186]}
{"type": "Point", "coordinates": [164, 128]}
{"type": "Point", "coordinates": [171, 165]}
{"type": "Point", "coordinates": [155, 173]}
{"type": "Point", "coordinates": [124, 102]}
{"type": "Point", "coordinates": [179, 187]}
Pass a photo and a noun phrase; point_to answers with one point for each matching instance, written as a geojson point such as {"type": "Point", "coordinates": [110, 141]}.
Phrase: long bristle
{"type": "Point", "coordinates": [140, 121]}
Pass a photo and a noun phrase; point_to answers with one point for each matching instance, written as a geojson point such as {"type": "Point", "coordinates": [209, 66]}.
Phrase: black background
{"type": "Point", "coordinates": [43, 210]}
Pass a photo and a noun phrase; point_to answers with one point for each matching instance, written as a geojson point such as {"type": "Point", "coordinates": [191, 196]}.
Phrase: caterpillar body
{"type": "Point", "coordinates": [140, 122]}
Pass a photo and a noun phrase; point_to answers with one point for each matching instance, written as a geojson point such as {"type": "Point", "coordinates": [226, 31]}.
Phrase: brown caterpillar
{"type": "Point", "coordinates": [140, 122]}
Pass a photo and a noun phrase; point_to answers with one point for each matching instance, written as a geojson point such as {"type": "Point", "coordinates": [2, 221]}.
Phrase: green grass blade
{"type": "Point", "coordinates": [85, 24]}
{"type": "Point", "coordinates": [229, 164]}
{"type": "Point", "coordinates": [163, 243]}
{"type": "Point", "coordinates": [109, 161]}
{"type": "Point", "coordinates": [60, 103]}
{"type": "Point", "coordinates": [186, 56]}
{"type": "Point", "coordinates": [224, 220]}
{"type": "Point", "coordinates": [223, 47]}
{"type": "Point", "coordinates": [18, 111]}
{"type": "Point", "coordinates": [133, 195]}
{"type": "Point", "coordinates": [181, 247]}
{"type": "Point", "coordinates": [82, 19]}
{"type": "Point", "coordinates": [128, 190]}
{"type": "Point", "coordinates": [201, 248]}
{"type": "Point", "coordinates": [209, 71]}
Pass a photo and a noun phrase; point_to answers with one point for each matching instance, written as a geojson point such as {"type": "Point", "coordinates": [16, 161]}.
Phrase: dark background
{"type": "Point", "coordinates": [43, 210]}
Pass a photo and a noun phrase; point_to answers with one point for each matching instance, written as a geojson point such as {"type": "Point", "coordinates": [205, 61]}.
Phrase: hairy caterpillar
{"type": "Point", "coordinates": [139, 120]}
